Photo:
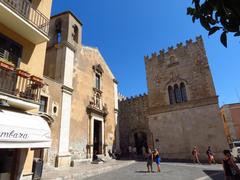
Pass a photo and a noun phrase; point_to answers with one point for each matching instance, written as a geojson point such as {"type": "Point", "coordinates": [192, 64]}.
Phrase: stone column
{"type": "Point", "coordinates": [64, 157]}
{"type": "Point", "coordinates": [117, 138]}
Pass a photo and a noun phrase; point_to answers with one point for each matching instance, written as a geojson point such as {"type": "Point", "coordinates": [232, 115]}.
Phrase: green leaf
{"type": "Point", "coordinates": [193, 19]}
{"type": "Point", "coordinates": [213, 30]}
{"type": "Point", "coordinates": [237, 34]}
{"type": "Point", "coordinates": [223, 39]}
{"type": "Point", "coordinates": [204, 23]}
{"type": "Point", "coordinates": [190, 11]}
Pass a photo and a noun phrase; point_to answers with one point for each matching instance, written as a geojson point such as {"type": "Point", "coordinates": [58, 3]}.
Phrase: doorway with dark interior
{"type": "Point", "coordinates": [140, 139]}
{"type": "Point", "coordinates": [9, 164]}
{"type": "Point", "coordinates": [97, 137]}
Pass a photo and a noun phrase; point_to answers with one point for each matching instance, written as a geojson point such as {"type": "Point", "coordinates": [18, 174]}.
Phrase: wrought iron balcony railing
{"type": "Point", "coordinates": [24, 9]}
{"type": "Point", "coordinates": [19, 83]}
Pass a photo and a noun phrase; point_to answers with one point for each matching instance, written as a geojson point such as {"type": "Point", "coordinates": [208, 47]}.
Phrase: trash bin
{"type": "Point", "coordinates": [37, 168]}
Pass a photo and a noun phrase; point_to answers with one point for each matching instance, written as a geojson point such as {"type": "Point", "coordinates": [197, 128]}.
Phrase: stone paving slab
{"type": "Point", "coordinates": [85, 170]}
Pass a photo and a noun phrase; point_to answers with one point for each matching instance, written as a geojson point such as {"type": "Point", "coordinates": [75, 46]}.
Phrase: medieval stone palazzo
{"type": "Point", "coordinates": [181, 109]}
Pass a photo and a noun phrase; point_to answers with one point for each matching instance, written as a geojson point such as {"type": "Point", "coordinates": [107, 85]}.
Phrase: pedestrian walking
{"type": "Point", "coordinates": [157, 159]}
{"type": "Point", "coordinates": [149, 160]}
{"type": "Point", "coordinates": [210, 156]}
{"type": "Point", "coordinates": [195, 154]}
{"type": "Point", "coordinates": [231, 170]}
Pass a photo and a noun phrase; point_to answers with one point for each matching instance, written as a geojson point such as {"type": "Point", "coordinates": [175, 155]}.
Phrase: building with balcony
{"type": "Point", "coordinates": [230, 114]}
{"type": "Point", "coordinates": [24, 27]}
{"type": "Point", "coordinates": [81, 95]}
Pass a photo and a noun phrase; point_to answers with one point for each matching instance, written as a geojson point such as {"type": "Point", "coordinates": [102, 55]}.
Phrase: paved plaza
{"type": "Point", "coordinates": [169, 171]}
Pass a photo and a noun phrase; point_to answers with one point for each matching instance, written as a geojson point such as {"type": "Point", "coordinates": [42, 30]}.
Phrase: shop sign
{"type": "Point", "coordinates": [17, 134]}
{"type": "Point", "coordinates": [13, 135]}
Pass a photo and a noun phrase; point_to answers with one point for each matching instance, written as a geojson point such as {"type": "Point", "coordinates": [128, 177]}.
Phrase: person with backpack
{"type": "Point", "coordinates": [149, 160]}
{"type": "Point", "coordinates": [210, 156]}
{"type": "Point", "coordinates": [157, 159]}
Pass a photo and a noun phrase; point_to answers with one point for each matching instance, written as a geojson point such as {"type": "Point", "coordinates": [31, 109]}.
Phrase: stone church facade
{"type": "Point", "coordinates": [81, 96]}
{"type": "Point", "coordinates": [181, 109]}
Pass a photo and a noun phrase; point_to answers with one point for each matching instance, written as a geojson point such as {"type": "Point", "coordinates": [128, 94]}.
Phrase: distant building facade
{"type": "Point", "coordinates": [82, 95]}
{"type": "Point", "coordinates": [231, 118]}
{"type": "Point", "coordinates": [181, 109]}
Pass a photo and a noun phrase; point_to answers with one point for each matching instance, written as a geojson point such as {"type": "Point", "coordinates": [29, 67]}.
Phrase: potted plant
{"type": "Point", "coordinates": [6, 65]}
{"type": "Point", "coordinates": [38, 81]}
{"type": "Point", "coordinates": [23, 73]}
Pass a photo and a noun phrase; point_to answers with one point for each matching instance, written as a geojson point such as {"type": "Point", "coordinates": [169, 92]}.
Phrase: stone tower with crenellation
{"type": "Point", "coordinates": [182, 102]}
{"type": "Point", "coordinates": [186, 64]}
{"type": "Point", "coordinates": [181, 108]}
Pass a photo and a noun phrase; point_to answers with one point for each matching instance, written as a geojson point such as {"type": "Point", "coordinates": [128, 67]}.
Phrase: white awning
{"type": "Point", "coordinates": [23, 130]}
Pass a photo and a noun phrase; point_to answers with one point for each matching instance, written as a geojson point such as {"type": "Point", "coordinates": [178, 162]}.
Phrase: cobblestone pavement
{"type": "Point", "coordinates": [169, 171]}
{"type": "Point", "coordinates": [83, 171]}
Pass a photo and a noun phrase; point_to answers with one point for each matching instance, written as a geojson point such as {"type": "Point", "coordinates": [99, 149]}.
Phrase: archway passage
{"type": "Point", "coordinates": [140, 142]}
{"type": "Point", "coordinates": [97, 146]}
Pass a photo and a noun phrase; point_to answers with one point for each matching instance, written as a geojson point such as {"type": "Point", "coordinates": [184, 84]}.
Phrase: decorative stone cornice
{"type": "Point", "coordinates": [98, 68]}
{"type": "Point", "coordinates": [185, 105]}
{"type": "Point", "coordinates": [92, 109]}
{"type": "Point", "coordinates": [67, 89]}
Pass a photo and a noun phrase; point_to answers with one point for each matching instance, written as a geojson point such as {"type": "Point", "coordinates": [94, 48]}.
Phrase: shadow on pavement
{"type": "Point", "coordinates": [214, 174]}
{"type": "Point", "coordinates": [142, 172]}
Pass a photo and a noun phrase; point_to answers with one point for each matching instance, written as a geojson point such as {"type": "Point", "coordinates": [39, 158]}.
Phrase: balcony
{"type": "Point", "coordinates": [21, 17]}
{"type": "Point", "coordinates": [18, 87]}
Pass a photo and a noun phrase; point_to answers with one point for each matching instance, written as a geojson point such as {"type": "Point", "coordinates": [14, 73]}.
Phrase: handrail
{"type": "Point", "coordinates": [33, 16]}
{"type": "Point", "coordinates": [20, 84]}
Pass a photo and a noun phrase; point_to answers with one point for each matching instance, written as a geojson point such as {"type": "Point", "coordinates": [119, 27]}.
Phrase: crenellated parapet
{"type": "Point", "coordinates": [171, 51]}
{"type": "Point", "coordinates": [141, 99]}
{"type": "Point", "coordinates": [121, 97]}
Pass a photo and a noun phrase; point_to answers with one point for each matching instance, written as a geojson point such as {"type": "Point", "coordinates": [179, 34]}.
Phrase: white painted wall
{"type": "Point", "coordinates": [66, 103]}
{"type": "Point", "coordinates": [68, 70]}
{"type": "Point", "coordinates": [65, 124]}
{"type": "Point", "coordinates": [116, 116]}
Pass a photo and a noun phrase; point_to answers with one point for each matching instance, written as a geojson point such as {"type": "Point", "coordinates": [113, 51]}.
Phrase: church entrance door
{"type": "Point", "coordinates": [97, 137]}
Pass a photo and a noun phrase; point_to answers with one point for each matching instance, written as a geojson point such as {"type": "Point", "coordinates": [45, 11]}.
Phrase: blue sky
{"type": "Point", "coordinates": [126, 30]}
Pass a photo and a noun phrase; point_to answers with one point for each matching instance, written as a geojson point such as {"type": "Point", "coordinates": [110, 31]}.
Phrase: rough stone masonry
{"type": "Point", "coordinates": [180, 110]}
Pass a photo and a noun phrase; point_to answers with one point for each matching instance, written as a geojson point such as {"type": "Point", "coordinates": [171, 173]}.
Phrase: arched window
{"type": "Point", "coordinates": [75, 33]}
{"type": "Point", "coordinates": [171, 95]}
{"type": "Point", "coordinates": [58, 28]}
{"type": "Point", "coordinates": [183, 92]}
{"type": "Point", "coordinates": [177, 93]}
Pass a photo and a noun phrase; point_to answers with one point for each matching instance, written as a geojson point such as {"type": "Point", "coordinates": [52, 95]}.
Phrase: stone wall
{"type": "Point", "coordinates": [176, 127]}
{"type": "Point", "coordinates": [83, 85]}
{"type": "Point", "coordinates": [53, 91]}
{"type": "Point", "coordinates": [179, 131]}
{"type": "Point", "coordinates": [132, 119]}
{"type": "Point", "coordinates": [58, 71]}
{"type": "Point", "coordinates": [186, 63]}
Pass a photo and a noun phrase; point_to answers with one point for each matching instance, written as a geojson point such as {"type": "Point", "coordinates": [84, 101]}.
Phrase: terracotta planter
{"type": "Point", "coordinates": [38, 81]}
{"type": "Point", "coordinates": [22, 73]}
{"type": "Point", "coordinates": [6, 66]}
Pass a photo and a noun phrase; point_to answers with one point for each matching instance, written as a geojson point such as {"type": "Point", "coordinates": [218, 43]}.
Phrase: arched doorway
{"type": "Point", "coordinates": [141, 145]}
